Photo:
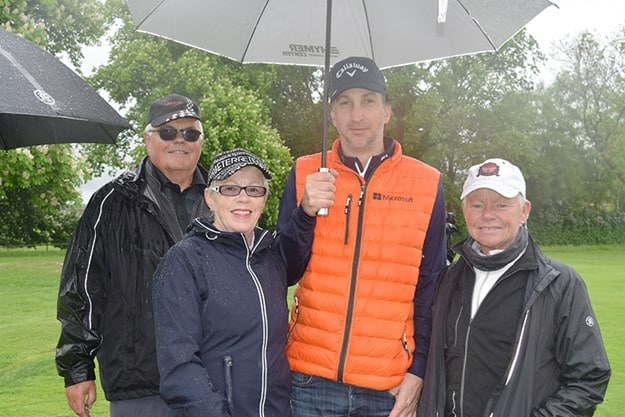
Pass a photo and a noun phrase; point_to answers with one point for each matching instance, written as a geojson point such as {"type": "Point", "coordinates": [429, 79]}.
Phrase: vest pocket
{"type": "Point", "coordinates": [404, 344]}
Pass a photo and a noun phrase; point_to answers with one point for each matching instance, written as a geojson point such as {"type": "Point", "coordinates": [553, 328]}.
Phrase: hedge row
{"type": "Point", "coordinates": [596, 230]}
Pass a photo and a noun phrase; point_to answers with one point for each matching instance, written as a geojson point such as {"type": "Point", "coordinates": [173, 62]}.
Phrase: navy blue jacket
{"type": "Point", "coordinates": [220, 312]}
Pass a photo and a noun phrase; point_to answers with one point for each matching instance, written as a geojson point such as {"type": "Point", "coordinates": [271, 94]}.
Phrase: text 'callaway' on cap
{"type": "Point", "coordinates": [356, 72]}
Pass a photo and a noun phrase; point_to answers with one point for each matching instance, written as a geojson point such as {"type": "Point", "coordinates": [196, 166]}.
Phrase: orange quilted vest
{"type": "Point", "coordinates": [352, 316]}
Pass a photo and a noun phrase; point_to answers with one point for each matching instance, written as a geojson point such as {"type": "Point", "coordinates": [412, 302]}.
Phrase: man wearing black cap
{"type": "Point", "coordinates": [105, 302]}
{"type": "Point", "coordinates": [361, 321]}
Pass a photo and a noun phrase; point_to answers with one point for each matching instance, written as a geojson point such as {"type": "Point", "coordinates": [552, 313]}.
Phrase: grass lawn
{"type": "Point", "coordinates": [29, 385]}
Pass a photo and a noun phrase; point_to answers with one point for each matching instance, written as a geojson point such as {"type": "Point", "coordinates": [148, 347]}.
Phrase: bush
{"type": "Point", "coordinates": [579, 228]}
{"type": "Point", "coordinates": [574, 228]}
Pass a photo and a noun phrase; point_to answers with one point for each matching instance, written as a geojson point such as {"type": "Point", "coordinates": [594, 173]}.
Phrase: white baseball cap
{"type": "Point", "coordinates": [495, 174]}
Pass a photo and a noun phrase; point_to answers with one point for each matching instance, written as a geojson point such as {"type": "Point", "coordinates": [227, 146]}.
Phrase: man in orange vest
{"type": "Point", "coordinates": [361, 320]}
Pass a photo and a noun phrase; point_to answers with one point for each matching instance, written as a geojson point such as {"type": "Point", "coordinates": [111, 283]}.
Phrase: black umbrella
{"type": "Point", "coordinates": [42, 101]}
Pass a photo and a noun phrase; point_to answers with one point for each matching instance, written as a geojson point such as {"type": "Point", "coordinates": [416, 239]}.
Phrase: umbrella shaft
{"type": "Point", "coordinates": [326, 80]}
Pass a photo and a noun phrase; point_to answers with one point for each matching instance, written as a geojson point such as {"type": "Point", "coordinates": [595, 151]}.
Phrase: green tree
{"type": "Point", "coordinates": [297, 108]}
{"type": "Point", "coordinates": [232, 99]}
{"type": "Point", "coordinates": [589, 92]}
{"type": "Point", "coordinates": [577, 176]}
{"type": "Point", "coordinates": [60, 26]}
{"type": "Point", "coordinates": [38, 196]}
{"type": "Point", "coordinates": [456, 112]}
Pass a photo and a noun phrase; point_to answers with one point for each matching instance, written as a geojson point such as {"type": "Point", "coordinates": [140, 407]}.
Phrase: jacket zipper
{"type": "Point", "coordinates": [453, 395]}
{"type": "Point", "coordinates": [228, 388]}
{"type": "Point", "coordinates": [464, 370]}
{"type": "Point", "coordinates": [517, 350]}
{"type": "Point", "coordinates": [514, 363]}
{"type": "Point", "coordinates": [514, 357]}
{"type": "Point", "coordinates": [265, 330]}
{"type": "Point", "coordinates": [352, 287]}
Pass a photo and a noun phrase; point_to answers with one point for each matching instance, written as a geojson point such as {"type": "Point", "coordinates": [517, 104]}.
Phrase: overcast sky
{"type": "Point", "coordinates": [603, 17]}
{"type": "Point", "coordinates": [574, 16]}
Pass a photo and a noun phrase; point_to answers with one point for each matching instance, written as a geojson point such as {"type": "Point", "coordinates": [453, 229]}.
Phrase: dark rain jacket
{"type": "Point", "coordinates": [105, 303]}
{"type": "Point", "coordinates": [559, 365]}
{"type": "Point", "coordinates": [221, 313]}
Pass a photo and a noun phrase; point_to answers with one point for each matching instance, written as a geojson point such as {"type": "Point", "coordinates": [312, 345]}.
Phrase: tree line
{"type": "Point", "coordinates": [567, 135]}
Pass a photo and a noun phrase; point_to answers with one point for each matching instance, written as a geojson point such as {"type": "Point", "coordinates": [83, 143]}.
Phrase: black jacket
{"type": "Point", "coordinates": [221, 316]}
{"type": "Point", "coordinates": [559, 366]}
{"type": "Point", "coordinates": [105, 303]}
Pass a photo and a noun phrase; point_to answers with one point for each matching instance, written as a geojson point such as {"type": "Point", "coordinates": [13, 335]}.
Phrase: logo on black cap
{"type": "Point", "coordinates": [356, 72]}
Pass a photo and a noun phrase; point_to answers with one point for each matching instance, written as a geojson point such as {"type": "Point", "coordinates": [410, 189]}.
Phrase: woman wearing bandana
{"type": "Point", "coordinates": [220, 305]}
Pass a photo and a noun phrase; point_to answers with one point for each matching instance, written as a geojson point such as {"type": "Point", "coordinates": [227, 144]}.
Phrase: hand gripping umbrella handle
{"type": "Point", "coordinates": [323, 211]}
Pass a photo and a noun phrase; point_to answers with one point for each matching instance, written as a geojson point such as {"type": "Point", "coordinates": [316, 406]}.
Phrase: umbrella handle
{"type": "Point", "coordinates": [323, 211]}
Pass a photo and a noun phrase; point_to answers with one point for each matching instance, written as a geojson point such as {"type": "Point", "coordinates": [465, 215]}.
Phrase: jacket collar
{"type": "Point", "coordinates": [203, 226]}
{"type": "Point", "coordinates": [534, 262]}
{"type": "Point", "coordinates": [139, 173]}
{"type": "Point", "coordinates": [392, 152]}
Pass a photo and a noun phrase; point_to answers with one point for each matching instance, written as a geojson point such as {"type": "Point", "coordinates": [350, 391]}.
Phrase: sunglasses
{"type": "Point", "coordinates": [170, 133]}
{"type": "Point", "coordinates": [234, 190]}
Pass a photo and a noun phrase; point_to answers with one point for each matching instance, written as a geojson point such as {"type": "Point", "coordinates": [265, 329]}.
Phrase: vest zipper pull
{"type": "Point", "coordinates": [348, 209]}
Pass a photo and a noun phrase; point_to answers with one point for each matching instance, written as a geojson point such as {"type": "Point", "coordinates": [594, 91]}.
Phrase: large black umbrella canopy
{"type": "Point", "coordinates": [42, 101]}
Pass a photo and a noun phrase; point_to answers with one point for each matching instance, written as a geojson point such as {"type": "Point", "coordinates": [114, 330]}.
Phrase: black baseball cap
{"type": "Point", "coordinates": [356, 72]}
{"type": "Point", "coordinates": [172, 107]}
{"type": "Point", "coordinates": [227, 163]}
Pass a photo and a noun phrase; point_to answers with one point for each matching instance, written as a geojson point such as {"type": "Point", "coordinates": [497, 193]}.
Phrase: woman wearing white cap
{"type": "Point", "coordinates": [220, 305]}
{"type": "Point", "coordinates": [514, 333]}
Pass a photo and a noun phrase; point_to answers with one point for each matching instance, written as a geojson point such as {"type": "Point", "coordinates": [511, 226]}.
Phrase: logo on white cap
{"type": "Point", "coordinates": [495, 174]}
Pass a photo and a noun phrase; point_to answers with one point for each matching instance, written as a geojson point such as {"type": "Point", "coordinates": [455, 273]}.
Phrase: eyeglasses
{"type": "Point", "coordinates": [170, 133]}
{"type": "Point", "coordinates": [234, 190]}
